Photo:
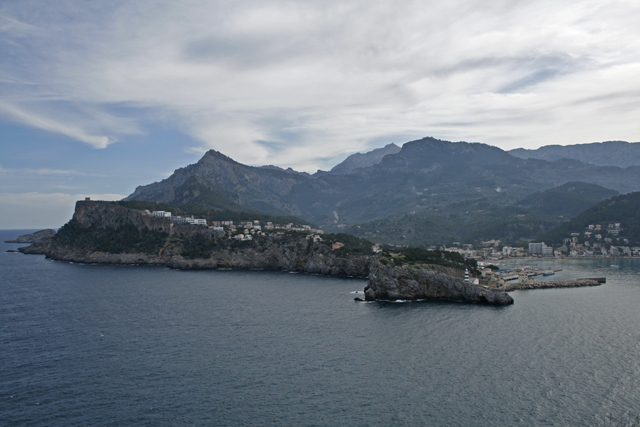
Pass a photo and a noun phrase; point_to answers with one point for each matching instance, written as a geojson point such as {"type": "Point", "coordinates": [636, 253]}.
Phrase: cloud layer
{"type": "Point", "coordinates": [299, 83]}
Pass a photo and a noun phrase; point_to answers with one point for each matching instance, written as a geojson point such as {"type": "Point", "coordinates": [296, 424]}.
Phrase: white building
{"type": "Point", "coordinates": [538, 248]}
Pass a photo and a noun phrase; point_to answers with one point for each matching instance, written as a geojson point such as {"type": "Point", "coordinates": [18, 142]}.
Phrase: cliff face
{"type": "Point", "coordinates": [108, 215]}
{"type": "Point", "coordinates": [274, 252]}
{"type": "Point", "coordinates": [405, 283]}
{"type": "Point", "coordinates": [284, 257]}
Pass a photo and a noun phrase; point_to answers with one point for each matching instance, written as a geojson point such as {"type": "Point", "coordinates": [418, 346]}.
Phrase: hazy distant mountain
{"type": "Point", "coordinates": [361, 160]}
{"type": "Point", "coordinates": [426, 177]}
{"type": "Point", "coordinates": [608, 153]}
{"type": "Point", "coordinates": [565, 201]}
{"type": "Point", "coordinates": [481, 219]}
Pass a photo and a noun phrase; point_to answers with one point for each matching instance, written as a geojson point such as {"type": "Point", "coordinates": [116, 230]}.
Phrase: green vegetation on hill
{"type": "Point", "coordinates": [201, 242]}
{"type": "Point", "coordinates": [352, 244]}
{"type": "Point", "coordinates": [201, 246]}
{"type": "Point", "coordinates": [467, 222]}
{"type": "Point", "coordinates": [624, 209]}
{"type": "Point", "coordinates": [416, 256]}
{"type": "Point", "coordinates": [124, 239]}
{"type": "Point", "coordinates": [565, 201]}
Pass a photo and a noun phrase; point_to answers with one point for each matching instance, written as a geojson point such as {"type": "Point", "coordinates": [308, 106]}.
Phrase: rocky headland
{"type": "Point", "coordinates": [410, 283]}
{"type": "Point", "coordinates": [38, 236]}
{"type": "Point", "coordinates": [106, 233]}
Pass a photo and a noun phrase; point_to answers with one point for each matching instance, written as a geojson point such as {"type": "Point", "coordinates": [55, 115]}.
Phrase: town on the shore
{"type": "Point", "coordinates": [243, 230]}
{"type": "Point", "coordinates": [596, 241]}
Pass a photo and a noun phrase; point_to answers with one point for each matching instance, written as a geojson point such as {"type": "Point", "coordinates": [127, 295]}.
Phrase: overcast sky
{"type": "Point", "coordinates": [99, 97]}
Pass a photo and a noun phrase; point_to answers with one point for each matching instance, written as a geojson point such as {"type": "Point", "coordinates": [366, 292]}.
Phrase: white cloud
{"type": "Point", "coordinates": [41, 210]}
{"type": "Point", "coordinates": [297, 83]}
{"type": "Point", "coordinates": [45, 171]}
{"type": "Point", "coordinates": [41, 122]}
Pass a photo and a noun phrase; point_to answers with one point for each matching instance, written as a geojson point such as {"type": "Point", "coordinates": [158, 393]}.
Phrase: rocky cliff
{"type": "Point", "coordinates": [108, 215]}
{"type": "Point", "coordinates": [83, 240]}
{"type": "Point", "coordinates": [408, 283]}
{"type": "Point", "coordinates": [106, 233]}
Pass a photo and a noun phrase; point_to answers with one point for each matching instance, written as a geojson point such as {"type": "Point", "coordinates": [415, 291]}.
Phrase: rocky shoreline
{"type": "Point", "coordinates": [407, 283]}
{"type": "Point", "coordinates": [384, 283]}
{"type": "Point", "coordinates": [284, 257]}
{"type": "Point", "coordinates": [279, 253]}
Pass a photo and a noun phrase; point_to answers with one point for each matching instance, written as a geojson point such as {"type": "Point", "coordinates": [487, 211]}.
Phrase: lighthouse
{"type": "Point", "coordinates": [466, 274]}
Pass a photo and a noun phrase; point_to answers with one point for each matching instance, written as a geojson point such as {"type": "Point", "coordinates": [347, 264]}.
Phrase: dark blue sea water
{"type": "Point", "coordinates": [84, 345]}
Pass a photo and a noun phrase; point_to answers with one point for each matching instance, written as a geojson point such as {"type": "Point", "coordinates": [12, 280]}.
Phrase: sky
{"type": "Point", "coordinates": [97, 98]}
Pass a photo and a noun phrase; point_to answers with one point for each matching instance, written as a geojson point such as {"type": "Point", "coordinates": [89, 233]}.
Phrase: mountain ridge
{"type": "Point", "coordinates": [426, 175]}
{"type": "Point", "coordinates": [607, 153]}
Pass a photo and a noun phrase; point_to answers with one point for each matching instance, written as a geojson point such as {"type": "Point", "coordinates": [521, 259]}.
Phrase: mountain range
{"type": "Point", "coordinates": [609, 153]}
{"type": "Point", "coordinates": [426, 178]}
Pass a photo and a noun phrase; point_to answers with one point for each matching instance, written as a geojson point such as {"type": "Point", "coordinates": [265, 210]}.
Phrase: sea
{"type": "Point", "coordinates": [128, 345]}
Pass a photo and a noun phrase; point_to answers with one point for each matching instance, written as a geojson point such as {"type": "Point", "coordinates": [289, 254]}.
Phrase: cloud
{"type": "Point", "coordinates": [41, 210]}
{"type": "Point", "coordinates": [51, 125]}
{"type": "Point", "coordinates": [45, 171]}
{"type": "Point", "coordinates": [297, 83]}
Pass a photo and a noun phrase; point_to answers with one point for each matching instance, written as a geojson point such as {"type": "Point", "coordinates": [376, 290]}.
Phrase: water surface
{"type": "Point", "coordinates": [136, 345]}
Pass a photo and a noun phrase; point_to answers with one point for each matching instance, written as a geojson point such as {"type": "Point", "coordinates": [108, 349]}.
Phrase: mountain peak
{"type": "Point", "coordinates": [362, 160]}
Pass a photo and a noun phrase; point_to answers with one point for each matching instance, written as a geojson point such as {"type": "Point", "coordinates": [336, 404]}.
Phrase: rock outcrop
{"type": "Point", "coordinates": [78, 240]}
{"type": "Point", "coordinates": [108, 215]}
{"type": "Point", "coordinates": [36, 237]}
{"type": "Point", "coordinates": [284, 257]}
{"type": "Point", "coordinates": [273, 252]}
{"type": "Point", "coordinates": [407, 283]}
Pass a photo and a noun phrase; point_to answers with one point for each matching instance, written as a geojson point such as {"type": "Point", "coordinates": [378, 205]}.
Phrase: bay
{"type": "Point", "coordinates": [136, 345]}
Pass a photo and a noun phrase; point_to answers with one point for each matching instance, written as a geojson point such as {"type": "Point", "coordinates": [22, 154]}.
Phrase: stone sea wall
{"type": "Point", "coordinates": [534, 284]}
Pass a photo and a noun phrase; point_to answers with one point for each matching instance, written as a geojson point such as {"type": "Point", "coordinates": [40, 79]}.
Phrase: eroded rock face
{"type": "Point", "coordinates": [107, 215]}
{"type": "Point", "coordinates": [274, 257]}
{"type": "Point", "coordinates": [406, 283]}
{"type": "Point", "coordinates": [270, 253]}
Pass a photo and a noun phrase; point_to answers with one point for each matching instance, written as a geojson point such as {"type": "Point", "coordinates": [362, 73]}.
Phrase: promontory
{"type": "Point", "coordinates": [130, 233]}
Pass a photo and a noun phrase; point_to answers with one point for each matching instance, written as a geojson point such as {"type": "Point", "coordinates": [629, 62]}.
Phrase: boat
{"type": "Point", "coordinates": [614, 266]}
{"type": "Point", "coordinates": [548, 273]}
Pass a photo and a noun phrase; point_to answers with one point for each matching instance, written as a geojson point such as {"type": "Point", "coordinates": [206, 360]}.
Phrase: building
{"type": "Point", "coordinates": [540, 249]}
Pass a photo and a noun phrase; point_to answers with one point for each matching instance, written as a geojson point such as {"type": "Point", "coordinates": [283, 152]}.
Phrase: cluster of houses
{"type": "Point", "coordinates": [596, 240]}
{"type": "Point", "coordinates": [189, 220]}
{"type": "Point", "coordinates": [492, 249]}
{"type": "Point", "coordinates": [244, 230]}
